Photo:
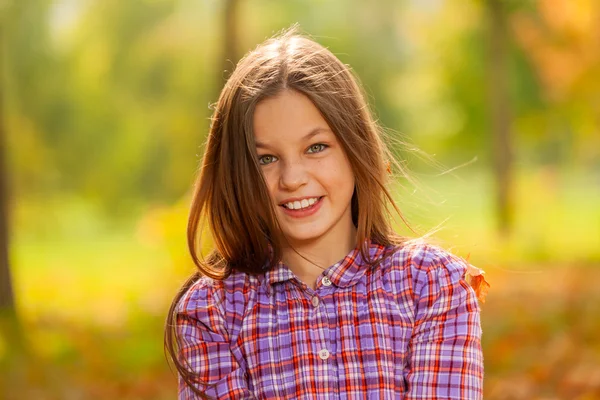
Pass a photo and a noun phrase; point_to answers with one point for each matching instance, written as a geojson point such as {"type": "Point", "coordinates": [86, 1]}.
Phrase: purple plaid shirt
{"type": "Point", "coordinates": [406, 328]}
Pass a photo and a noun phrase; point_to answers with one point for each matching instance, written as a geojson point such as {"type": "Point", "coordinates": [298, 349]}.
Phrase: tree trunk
{"type": "Point", "coordinates": [230, 37]}
{"type": "Point", "coordinates": [228, 56]}
{"type": "Point", "coordinates": [7, 302]}
{"type": "Point", "coordinates": [500, 114]}
{"type": "Point", "coordinates": [10, 328]}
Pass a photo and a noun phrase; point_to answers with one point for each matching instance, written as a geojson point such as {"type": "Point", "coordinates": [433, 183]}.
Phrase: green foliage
{"type": "Point", "coordinates": [109, 99]}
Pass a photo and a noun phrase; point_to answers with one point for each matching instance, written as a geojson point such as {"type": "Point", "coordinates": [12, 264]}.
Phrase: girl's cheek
{"type": "Point", "coordinates": [271, 185]}
{"type": "Point", "coordinates": [270, 175]}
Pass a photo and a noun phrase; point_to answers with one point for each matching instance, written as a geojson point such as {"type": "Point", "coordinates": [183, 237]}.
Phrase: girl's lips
{"type": "Point", "coordinates": [304, 212]}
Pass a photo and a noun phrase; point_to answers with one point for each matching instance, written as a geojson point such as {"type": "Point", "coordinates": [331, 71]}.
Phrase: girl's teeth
{"type": "Point", "coordinates": [297, 205]}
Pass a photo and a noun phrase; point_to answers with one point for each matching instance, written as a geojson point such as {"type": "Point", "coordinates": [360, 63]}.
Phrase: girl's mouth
{"type": "Point", "coordinates": [302, 208]}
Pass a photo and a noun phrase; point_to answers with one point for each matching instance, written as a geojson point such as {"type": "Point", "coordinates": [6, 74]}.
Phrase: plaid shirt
{"type": "Point", "coordinates": [406, 328]}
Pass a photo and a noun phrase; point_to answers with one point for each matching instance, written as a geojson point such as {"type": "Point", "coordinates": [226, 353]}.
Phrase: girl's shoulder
{"type": "Point", "coordinates": [416, 263]}
{"type": "Point", "coordinates": [419, 254]}
{"type": "Point", "coordinates": [228, 299]}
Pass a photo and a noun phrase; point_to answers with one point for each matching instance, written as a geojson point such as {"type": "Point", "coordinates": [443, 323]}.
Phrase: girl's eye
{"type": "Point", "coordinates": [266, 159]}
{"type": "Point", "coordinates": [317, 148]}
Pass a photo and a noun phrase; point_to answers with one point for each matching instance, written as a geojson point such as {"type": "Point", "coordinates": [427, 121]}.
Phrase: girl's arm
{"type": "Point", "coordinates": [445, 357]}
{"type": "Point", "coordinates": [204, 347]}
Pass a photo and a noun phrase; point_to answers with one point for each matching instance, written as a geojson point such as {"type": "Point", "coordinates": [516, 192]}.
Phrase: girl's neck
{"type": "Point", "coordinates": [309, 259]}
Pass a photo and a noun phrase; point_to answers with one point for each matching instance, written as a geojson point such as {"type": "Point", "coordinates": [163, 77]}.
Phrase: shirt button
{"type": "Point", "coordinates": [315, 301]}
{"type": "Point", "coordinates": [324, 354]}
{"type": "Point", "coordinates": [325, 281]}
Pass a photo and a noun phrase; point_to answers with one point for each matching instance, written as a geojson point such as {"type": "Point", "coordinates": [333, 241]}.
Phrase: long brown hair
{"type": "Point", "coordinates": [230, 195]}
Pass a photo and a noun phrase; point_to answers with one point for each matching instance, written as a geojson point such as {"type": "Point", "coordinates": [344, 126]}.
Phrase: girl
{"type": "Point", "coordinates": [308, 293]}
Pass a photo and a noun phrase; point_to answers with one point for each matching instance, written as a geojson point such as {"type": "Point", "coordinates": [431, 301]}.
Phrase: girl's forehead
{"type": "Point", "coordinates": [289, 116]}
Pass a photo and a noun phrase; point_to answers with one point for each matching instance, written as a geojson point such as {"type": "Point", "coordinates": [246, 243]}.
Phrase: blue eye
{"type": "Point", "coordinates": [266, 159]}
{"type": "Point", "coordinates": [317, 148]}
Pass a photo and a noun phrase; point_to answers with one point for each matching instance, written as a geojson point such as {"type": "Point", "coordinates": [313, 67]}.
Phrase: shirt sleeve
{"type": "Point", "coordinates": [445, 357]}
{"type": "Point", "coordinates": [204, 347]}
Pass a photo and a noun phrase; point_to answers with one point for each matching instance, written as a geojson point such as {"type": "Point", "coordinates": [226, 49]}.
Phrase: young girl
{"type": "Point", "coordinates": [308, 293]}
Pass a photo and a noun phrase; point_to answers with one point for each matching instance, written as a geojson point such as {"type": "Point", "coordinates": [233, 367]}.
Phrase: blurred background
{"type": "Point", "coordinates": [104, 112]}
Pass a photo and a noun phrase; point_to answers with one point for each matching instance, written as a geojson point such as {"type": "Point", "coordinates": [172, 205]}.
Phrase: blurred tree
{"type": "Point", "coordinates": [501, 118]}
{"type": "Point", "coordinates": [7, 303]}
{"type": "Point", "coordinates": [10, 325]}
{"type": "Point", "coordinates": [561, 40]}
{"type": "Point", "coordinates": [35, 105]}
{"type": "Point", "coordinates": [106, 101]}
{"type": "Point", "coordinates": [230, 50]}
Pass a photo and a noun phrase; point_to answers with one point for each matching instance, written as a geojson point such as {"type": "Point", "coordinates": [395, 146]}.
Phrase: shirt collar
{"type": "Point", "coordinates": [344, 273]}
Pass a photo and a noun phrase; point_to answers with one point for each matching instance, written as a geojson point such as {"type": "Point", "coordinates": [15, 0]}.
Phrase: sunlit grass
{"type": "Point", "coordinates": [556, 216]}
{"type": "Point", "coordinates": [98, 281]}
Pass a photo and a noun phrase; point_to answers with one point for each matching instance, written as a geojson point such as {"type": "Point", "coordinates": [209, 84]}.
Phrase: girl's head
{"type": "Point", "coordinates": [291, 129]}
{"type": "Point", "coordinates": [290, 124]}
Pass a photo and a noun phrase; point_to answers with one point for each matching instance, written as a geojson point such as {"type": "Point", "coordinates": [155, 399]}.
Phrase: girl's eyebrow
{"type": "Point", "coordinates": [306, 137]}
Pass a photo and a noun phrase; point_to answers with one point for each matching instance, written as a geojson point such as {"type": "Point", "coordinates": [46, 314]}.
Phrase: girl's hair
{"type": "Point", "coordinates": [230, 193]}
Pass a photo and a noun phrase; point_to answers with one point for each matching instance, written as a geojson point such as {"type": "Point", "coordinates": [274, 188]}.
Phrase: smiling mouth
{"type": "Point", "coordinates": [301, 204]}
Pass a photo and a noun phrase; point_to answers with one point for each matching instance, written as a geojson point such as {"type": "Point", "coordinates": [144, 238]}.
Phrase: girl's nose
{"type": "Point", "coordinates": [293, 175]}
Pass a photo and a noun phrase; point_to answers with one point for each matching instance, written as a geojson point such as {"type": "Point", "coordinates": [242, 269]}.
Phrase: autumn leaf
{"type": "Point", "coordinates": [480, 286]}
{"type": "Point", "coordinates": [477, 280]}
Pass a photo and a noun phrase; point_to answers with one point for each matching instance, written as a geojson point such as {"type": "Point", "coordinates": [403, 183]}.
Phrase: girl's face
{"type": "Point", "coordinates": [308, 175]}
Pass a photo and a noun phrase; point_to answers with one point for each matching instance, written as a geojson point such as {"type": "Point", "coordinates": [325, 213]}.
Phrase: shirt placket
{"type": "Point", "coordinates": [324, 337]}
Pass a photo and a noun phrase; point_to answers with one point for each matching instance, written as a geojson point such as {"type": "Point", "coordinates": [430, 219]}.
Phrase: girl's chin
{"type": "Point", "coordinates": [310, 236]}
